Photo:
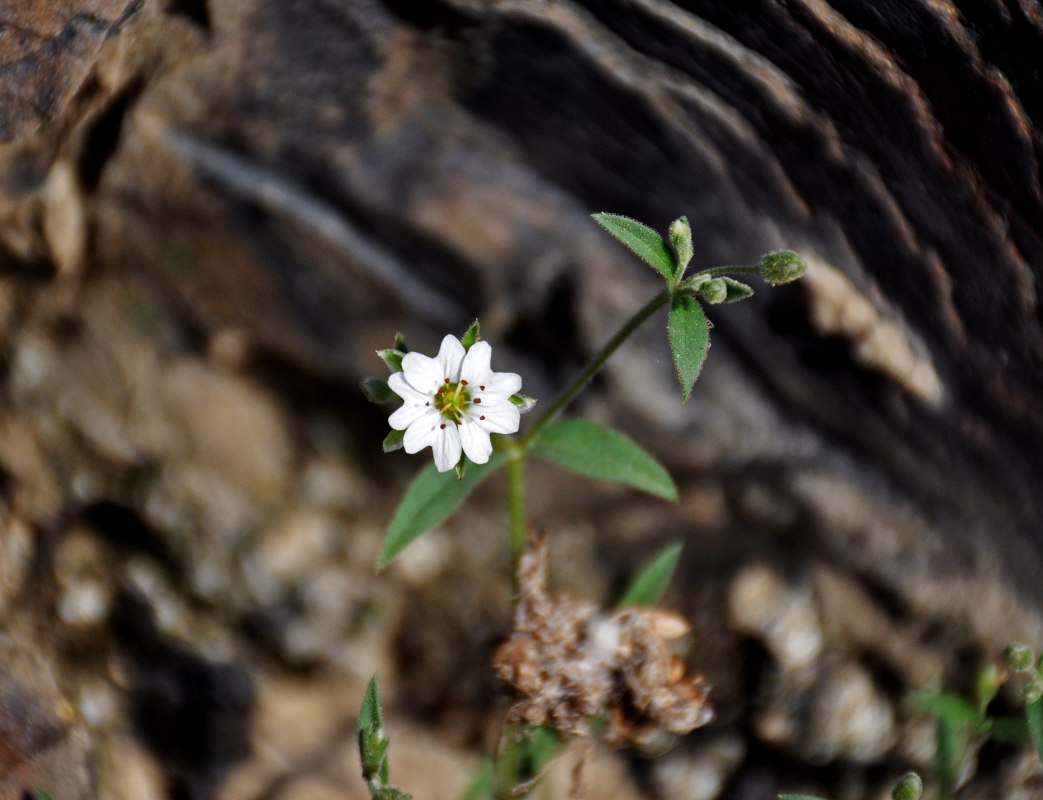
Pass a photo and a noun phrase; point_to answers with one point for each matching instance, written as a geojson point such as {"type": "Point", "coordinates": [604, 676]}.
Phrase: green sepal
{"type": "Point", "coordinates": [600, 452]}
{"type": "Point", "coordinates": [393, 441]}
{"type": "Point", "coordinates": [644, 242]}
{"type": "Point", "coordinates": [524, 403]}
{"type": "Point", "coordinates": [908, 787]}
{"type": "Point", "coordinates": [689, 334]}
{"type": "Point", "coordinates": [393, 359]}
{"type": "Point", "coordinates": [471, 336]}
{"type": "Point", "coordinates": [648, 587]}
{"type": "Point", "coordinates": [737, 290]}
{"type": "Point", "coordinates": [400, 343]}
{"type": "Point", "coordinates": [377, 391]}
{"type": "Point", "coordinates": [461, 468]}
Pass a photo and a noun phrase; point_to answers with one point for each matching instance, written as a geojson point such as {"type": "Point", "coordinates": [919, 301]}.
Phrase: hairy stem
{"type": "Point", "coordinates": [596, 363]}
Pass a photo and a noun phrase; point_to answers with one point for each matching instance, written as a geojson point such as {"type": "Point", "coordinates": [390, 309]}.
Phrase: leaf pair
{"type": "Point", "coordinates": [586, 448]}
{"type": "Point", "coordinates": [688, 329]}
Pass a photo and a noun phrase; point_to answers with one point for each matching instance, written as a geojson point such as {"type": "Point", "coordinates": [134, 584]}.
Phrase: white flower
{"type": "Point", "coordinates": [454, 401]}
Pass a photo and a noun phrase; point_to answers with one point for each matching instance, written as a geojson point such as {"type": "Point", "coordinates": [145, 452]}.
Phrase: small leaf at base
{"type": "Point", "coordinates": [648, 587]}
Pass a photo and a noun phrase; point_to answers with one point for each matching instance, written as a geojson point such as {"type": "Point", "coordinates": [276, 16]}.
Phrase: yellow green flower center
{"type": "Point", "coordinates": [452, 399]}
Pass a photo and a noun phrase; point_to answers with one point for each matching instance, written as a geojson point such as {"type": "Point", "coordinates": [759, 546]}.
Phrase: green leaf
{"type": "Point", "coordinates": [378, 391]}
{"type": "Point", "coordinates": [599, 452]}
{"type": "Point", "coordinates": [483, 783]}
{"type": "Point", "coordinates": [948, 754]}
{"type": "Point", "coordinates": [643, 241]}
{"type": "Point", "coordinates": [689, 334]}
{"type": "Point", "coordinates": [949, 706]}
{"type": "Point", "coordinates": [471, 336]}
{"type": "Point", "coordinates": [1012, 730]}
{"type": "Point", "coordinates": [431, 498]}
{"type": "Point", "coordinates": [393, 441]}
{"type": "Point", "coordinates": [1034, 717]}
{"type": "Point", "coordinates": [651, 582]}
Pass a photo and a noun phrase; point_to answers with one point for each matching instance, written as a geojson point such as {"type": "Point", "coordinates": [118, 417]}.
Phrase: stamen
{"type": "Point", "coordinates": [482, 417]}
{"type": "Point", "coordinates": [463, 382]}
{"type": "Point", "coordinates": [447, 380]}
{"type": "Point", "coordinates": [477, 399]}
{"type": "Point", "coordinates": [458, 422]}
{"type": "Point", "coordinates": [442, 426]}
{"type": "Point", "coordinates": [481, 388]}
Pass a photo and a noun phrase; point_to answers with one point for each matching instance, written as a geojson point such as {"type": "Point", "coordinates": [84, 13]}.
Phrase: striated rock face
{"type": "Point", "coordinates": [213, 211]}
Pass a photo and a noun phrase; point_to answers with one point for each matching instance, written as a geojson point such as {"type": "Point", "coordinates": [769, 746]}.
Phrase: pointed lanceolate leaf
{"type": "Point", "coordinates": [643, 241]}
{"type": "Point", "coordinates": [430, 499]}
{"type": "Point", "coordinates": [471, 336]}
{"type": "Point", "coordinates": [946, 705]}
{"type": "Point", "coordinates": [599, 452]}
{"type": "Point", "coordinates": [648, 587]}
{"type": "Point", "coordinates": [689, 334]}
{"type": "Point", "coordinates": [1012, 730]}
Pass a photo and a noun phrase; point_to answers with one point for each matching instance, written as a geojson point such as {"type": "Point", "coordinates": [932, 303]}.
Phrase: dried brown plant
{"type": "Point", "coordinates": [570, 661]}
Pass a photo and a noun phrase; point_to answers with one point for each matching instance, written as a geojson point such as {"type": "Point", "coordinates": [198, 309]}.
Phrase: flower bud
{"type": "Point", "coordinates": [1019, 657]}
{"type": "Point", "coordinates": [680, 236]}
{"type": "Point", "coordinates": [782, 267]}
{"type": "Point", "coordinates": [1033, 692]}
{"type": "Point", "coordinates": [909, 787]}
{"type": "Point", "coordinates": [714, 291]}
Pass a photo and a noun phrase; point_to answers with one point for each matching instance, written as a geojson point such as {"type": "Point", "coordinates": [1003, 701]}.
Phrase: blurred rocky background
{"type": "Point", "coordinates": [212, 212]}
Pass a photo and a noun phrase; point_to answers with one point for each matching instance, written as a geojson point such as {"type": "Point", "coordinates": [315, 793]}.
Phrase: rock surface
{"type": "Point", "coordinates": [212, 212]}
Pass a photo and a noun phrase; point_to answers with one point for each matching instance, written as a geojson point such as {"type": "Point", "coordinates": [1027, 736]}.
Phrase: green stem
{"type": "Point", "coordinates": [516, 504]}
{"type": "Point", "coordinates": [596, 363]}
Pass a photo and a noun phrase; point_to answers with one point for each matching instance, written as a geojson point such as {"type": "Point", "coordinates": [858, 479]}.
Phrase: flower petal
{"type": "Point", "coordinates": [446, 448]}
{"type": "Point", "coordinates": [501, 418]}
{"type": "Point", "coordinates": [399, 385]}
{"type": "Point", "coordinates": [475, 368]}
{"type": "Point", "coordinates": [450, 356]}
{"type": "Point", "coordinates": [502, 383]}
{"type": "Point", "coordinates": [475, 441]}
{"type": "Point", "coordinates": [422, 432]}
{"type": "Point", "coordinates": [407, 415]}
{"type": "Point", "coordinates": [423, 372]}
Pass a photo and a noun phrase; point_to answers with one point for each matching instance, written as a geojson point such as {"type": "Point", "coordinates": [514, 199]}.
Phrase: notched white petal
{"type": "Point", "coordinates": [450, 356]}
{"type": "Point", "coordinates": [421, 433]}
{"type": "Point", "coordinates": [423, 372]}
{"type": "Point", "coordinates": [503, 383]}
{"type": "Point", "coordinates": [475, 441]}
{"type": "Point", "coordinates": [475, 368]}
{"type": "Point", "coordinates": [446, 447]}
{"type": "Point", "coordinates": [406, 416]}
{"type": "Point", "coordinates": [399, 385]}
{"type": "Point", "coordinates": [503, 418]}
